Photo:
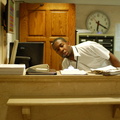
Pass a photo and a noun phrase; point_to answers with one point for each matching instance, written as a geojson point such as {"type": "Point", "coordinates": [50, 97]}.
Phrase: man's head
{"type": "Point", "coordinates": [61, 46]}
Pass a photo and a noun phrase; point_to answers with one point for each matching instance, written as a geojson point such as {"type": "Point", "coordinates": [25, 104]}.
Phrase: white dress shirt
{"type": "Point", "coordinates": [88, 55]}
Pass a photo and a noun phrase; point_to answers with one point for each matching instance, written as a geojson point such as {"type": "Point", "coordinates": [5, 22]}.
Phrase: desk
{"type": "Point", "coordinates": [58, 85]}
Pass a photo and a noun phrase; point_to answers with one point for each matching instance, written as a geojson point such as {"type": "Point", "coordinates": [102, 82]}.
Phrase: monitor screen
{"type": "Point", "coordinates": [29, 53]}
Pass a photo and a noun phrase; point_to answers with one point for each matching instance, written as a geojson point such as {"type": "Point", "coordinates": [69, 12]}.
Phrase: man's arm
{"type": "Point", "coordinates": [114, 61]}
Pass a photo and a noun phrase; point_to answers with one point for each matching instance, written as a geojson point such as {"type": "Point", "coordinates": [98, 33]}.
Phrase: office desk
{"type": "Point", "coordinates": [58, 86]}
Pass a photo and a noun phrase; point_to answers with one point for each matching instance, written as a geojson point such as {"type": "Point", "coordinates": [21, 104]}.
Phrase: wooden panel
{"type": "Point", "coordinates": [58, 86]}
{"type": "Point", "coordinates": [56, 59]}
{"type": "Point", "coordinates": [47, 6]}
{"type": "Point", "coordinates": [45, 22]}
{"type": "Point", "coordinates": [64, 101]}
{"type": "Point", "coordinates": [23, 23]}
{"type": "Point", "coordinates": [36, 26]}
{"type": "Point", "coordinates": [71, 24]}
{"type": "Point", "coordinates": [59, 23]}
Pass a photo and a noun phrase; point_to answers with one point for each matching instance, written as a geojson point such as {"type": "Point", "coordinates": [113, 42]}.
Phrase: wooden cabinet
{"type": "Point", "coordinates": [106, 40]}
{"type": "Point", "coordinates": [45, 22]}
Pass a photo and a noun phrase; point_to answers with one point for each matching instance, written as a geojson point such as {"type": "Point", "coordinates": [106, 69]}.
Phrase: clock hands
{"type": "Point", "coordinates": [97, 29]}
{"type": "Point", "coordinates": [98, 24]}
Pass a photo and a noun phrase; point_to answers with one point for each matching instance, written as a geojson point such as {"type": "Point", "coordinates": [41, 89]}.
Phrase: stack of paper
{"type": "Point", "coordinates": [12, 69]}
{"type": "Point", "coordinates": [111, 72]}
{"type": "Point", "coordinates": [73, 72]}
{"type": "Point", "coordinates": [108, 70]}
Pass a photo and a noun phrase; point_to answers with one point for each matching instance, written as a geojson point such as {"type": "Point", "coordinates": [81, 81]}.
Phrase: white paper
{"type": "Point", "coordinates": [72, 71]}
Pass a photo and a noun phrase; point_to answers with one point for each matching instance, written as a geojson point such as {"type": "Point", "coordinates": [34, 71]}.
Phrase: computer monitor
{"type": "Point", "coordinates": [29, 53]}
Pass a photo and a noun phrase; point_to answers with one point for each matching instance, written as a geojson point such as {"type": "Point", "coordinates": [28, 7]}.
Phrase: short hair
{"type": "Point", "coordinates": [59, 38]}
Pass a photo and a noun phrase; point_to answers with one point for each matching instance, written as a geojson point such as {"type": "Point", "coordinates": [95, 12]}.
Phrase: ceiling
{"type": "Point", "coordinates": [94, 2]}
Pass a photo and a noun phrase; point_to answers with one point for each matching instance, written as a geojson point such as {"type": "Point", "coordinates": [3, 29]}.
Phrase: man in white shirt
{"type": "Point", "coordinates": [84, 56]}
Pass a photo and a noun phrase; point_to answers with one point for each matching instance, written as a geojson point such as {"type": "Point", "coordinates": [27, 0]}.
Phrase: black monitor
{"type": "Point", "coordinates": [29, 53]}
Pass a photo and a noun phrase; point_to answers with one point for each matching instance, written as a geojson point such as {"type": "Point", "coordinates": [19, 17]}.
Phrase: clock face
{"type": "Point", "coordinates": [98, 22]}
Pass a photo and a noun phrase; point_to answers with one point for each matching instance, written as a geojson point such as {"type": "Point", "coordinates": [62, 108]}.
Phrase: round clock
{"type": "Point", "coordinates": [98, 22]}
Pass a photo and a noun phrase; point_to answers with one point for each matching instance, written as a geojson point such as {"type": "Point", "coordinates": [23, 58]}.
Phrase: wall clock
{"type": "Point", "coordinates": [98, 22]}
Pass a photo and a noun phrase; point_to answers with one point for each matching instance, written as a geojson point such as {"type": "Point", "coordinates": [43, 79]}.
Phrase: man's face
{"type": "Point", "coordinates": [62, 48]}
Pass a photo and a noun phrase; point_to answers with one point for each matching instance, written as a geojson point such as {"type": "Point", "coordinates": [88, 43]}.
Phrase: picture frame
{"type": "Point", "coordinates": [10, 22]}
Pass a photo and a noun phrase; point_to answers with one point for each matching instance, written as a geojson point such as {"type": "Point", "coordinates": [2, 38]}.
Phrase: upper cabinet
{"type": "Point", "coordinates": [45, 22]}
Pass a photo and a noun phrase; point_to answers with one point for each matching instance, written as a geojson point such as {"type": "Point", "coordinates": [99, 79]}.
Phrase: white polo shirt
{"type": "Point", "coordinates": [88, 55]}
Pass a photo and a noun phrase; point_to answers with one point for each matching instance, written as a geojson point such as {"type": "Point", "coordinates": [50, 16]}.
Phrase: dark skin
{"type": "Point", "coordinates": [65, 50]}
{"type": "Point", "coordinates": [115, 62]}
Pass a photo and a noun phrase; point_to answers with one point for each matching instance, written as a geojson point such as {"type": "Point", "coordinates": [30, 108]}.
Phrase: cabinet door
{"type": "Point", "coordinates": [45, 22]}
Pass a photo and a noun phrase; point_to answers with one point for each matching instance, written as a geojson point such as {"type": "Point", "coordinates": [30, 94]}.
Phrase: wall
{"type": "Point", "coordinates": [2, 32]}
{"type": "Point", "coordinates": [82, 11]}
{"type": "Point", "coordinates": [87, 2]}
{"type": "Point", "coordinates": [81, 14]}
{"type": "Point", "coordinates": [11, 35]}
{"type": "Point", "coordinates": [5, 38]}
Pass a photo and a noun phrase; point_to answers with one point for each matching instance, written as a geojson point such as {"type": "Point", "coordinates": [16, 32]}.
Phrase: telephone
{"type": "Point", "coordinates": [41, 69]}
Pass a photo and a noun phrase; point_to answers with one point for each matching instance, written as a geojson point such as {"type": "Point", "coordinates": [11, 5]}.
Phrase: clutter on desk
{"type": "Point", "coordinates": [32, 71]}
{"type": "Point", "coordinates": [72, 71]}
{"type": "Point", "coordinates": [108, 70]}
{"type": "Point", "coordinates": [12, 69]}
{"type": "Point", "coordinates": [41, 69]}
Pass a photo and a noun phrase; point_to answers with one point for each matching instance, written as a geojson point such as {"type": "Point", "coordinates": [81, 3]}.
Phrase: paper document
{"type": "Point", "coordinates": [12, 69]}
{"type": "Point", "coordinates": [108, 70]}
{"type": "Point", "coordinates": [111, 72]}
{"type": "Point", "coordinates": [72, 71]}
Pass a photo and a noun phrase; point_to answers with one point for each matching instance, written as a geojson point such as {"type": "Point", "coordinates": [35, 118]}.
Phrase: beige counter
{"type": "Point", "coordinates": [61, 86]}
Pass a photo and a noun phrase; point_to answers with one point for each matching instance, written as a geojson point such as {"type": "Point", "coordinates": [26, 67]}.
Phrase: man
{"type": "Point", "coordinates": [84, 56]}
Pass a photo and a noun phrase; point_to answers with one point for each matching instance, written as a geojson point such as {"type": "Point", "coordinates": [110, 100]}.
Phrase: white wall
{"type": "Point", "coordinates": [112, 11]}
{"type": "Point", "coordinates": [82, 11]}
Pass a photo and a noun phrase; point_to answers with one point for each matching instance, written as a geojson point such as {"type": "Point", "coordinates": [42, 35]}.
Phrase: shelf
{"type": "Point", "coordinates": [106, 40]}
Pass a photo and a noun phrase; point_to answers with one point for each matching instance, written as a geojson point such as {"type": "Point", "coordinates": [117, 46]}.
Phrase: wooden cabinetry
{"type": "Point", "coordinates": [44, 23]}
{"type": "Point", "coordinates": [106, 40]}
